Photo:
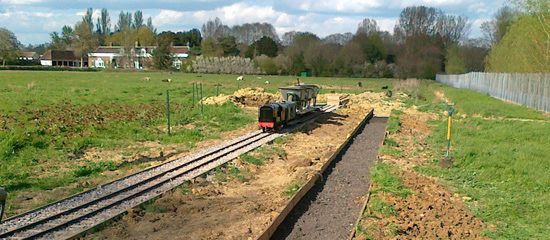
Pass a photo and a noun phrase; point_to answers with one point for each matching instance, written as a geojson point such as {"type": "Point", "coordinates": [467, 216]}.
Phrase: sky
{"type": "Point", "coordinates": [32, 21]}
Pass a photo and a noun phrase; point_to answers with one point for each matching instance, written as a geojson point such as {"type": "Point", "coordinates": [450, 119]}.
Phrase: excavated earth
{"type": "Point", "coordinates": [209, 209]}
{"type": "Point", "coordinates": [432, 211]}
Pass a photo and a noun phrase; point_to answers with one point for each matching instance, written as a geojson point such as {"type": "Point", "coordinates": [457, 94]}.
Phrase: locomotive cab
{"type": "Point", "coordinates": [275, 115]}
{"type": "Point", "coordinates": [269, 116]}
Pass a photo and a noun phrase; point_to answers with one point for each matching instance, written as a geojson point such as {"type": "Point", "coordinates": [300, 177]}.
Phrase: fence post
{"type": "Point", "coordinates": [168, 109]}
{"type": "Point", "coordinates": [201, 100]}
{"type": "Point", "coordinates": [193, 95]}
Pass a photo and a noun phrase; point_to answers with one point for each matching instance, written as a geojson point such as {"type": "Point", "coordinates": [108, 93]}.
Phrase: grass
{"type": "Point", "coordinates": [293, 188]}
{"type": "Point", "coordinates": [394, 123]}
{"type": "Point", "coordinates": [385, 178]}
{"type": "Point", "coordinates": [474, 103]}
{"type": "Point", "coordinates": [263, 155]}
{"type": "Point", "coordinates": [502, 164]}
{"type": "Point", "coordinates": [53, 118]}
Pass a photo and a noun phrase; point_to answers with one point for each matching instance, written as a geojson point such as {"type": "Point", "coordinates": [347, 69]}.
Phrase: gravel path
{"type": "Point", "coordinates": [330, 208]}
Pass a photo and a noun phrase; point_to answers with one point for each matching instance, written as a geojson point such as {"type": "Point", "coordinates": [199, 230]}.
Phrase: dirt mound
{"type": "Point", "coordinates": [431, 212]}
{"type": "Point", "coordinates": [246, 97]}
{"type": "Point", "coordinates": [220, 99]}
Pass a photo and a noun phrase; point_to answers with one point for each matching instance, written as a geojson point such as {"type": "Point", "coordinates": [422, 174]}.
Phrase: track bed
{"type": "Point", "coordinates": [330, 208]}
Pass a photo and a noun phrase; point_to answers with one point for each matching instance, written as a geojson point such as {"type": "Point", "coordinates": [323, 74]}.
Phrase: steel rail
{"type": "Point", "coordinates": [79, 209]}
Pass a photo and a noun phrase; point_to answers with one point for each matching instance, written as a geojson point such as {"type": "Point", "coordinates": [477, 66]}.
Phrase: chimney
{"type": "Point", "coordinates": [111, 44]}
{"type": "Point", "coordinates": [137, 44]}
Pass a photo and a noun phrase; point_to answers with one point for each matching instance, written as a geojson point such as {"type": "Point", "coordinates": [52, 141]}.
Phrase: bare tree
{"type": "Point", "coordinates": [215, 29]}
{"type": "Point", "coordinates": [415, 21]}
{"type": "Point", "coordinates": [495, 29]}
{"type": "Point", "coordinates": [368, 26]}
{"type": "Point", "coordinates": [453, 29]}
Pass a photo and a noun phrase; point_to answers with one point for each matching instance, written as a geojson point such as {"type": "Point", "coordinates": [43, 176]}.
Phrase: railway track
{"type": "Point", "coordinates": [77, 214]}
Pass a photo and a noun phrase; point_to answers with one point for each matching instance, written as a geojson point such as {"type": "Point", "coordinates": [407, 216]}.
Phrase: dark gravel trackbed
{"type": "Point", "coordinates": [329, 210]}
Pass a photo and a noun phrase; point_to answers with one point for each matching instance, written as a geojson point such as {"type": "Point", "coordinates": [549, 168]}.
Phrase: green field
{"type": "Point", "coordinates": [49, 120]}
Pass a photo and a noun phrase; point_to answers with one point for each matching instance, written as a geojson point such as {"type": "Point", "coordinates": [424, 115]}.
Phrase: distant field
{"type": "Point", "coordinates": [49, 120]}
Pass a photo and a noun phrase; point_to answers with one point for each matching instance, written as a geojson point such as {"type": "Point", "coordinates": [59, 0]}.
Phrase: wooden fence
{"type": "Point", "coordinates": [530, 90]}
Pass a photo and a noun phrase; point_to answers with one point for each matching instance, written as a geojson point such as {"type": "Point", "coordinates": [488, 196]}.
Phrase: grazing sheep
{"type": "Point", "coordinates": [384, 87]}
{"type": "Point", "coordinates": [259, 78]}
{"type": "Point", "coordinates": [167, 80]}
{"type": "Point", "coordinates": [266, 82]}
{"type": "Point", "coordinates": [146, 79]}
{"type": "Point", "coordinates": [240, 78]}
{"type": "Point", "coordinates": [359, 84]}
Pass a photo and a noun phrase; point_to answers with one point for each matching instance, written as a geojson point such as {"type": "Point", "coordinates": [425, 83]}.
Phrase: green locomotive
{"type": "Point", "coordinates": [298, 100]}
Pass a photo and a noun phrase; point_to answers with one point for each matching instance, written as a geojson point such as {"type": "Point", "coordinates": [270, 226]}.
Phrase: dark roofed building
{"type": "Point", "coordinates": [29, 56]}
{"type": "Point", "coordinates": [61, 58]}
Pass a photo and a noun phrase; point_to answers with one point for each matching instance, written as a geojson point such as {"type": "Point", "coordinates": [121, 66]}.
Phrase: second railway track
{"type": "Point", "coordinates": [79, 213]}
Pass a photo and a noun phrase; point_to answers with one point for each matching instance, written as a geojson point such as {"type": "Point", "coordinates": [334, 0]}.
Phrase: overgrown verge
{"type": "Point", "coordinates": [404, 203]}
{"type": "Point", "coordinates": [499, 174]}
{"type": "Point", "coordinates": [500, 160]}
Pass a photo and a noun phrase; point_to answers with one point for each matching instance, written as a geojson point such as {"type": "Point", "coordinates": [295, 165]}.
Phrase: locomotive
{"type": "Point", "coordinates": [298, 100]}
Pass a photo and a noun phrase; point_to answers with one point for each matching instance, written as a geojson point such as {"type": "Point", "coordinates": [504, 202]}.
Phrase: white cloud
{"type": "Point", "coordinates": [478, 8]}
{"type": "Point", "coordinates": [239, 13]}
{"type": "Point", "coordinates": [343, 6]}
{"type": "Point", "coordinates": [19, 2]}
{"type": "Point", "coordinates": [24, 23]}
{"type": "Point", "coordinates": [322, 17]}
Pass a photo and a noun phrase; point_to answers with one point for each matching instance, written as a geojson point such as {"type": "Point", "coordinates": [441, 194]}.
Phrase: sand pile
{"type": "Point", "coordinates": [220, 99]}
{"type": "Point", "coordinates": [246, 97]}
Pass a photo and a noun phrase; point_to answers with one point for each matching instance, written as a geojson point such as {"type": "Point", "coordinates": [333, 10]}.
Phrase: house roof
{"type": "Point", "coordinates": [148, 49]}
{"type": "Point", "coordinates": [104, 49]}
{"type": "Point", "coordinates": [58, 55]}
{"type": "Point", "coordinates": [28, 54]}
{"type": "Point", "coordinates": [179, 49]}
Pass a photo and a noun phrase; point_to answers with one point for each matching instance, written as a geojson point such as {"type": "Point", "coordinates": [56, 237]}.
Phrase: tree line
{"type": "Point", "coordinates": [425, 41]}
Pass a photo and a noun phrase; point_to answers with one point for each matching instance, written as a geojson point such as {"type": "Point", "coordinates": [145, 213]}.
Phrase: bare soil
{"type": "Point", "coordinates": [246, 97]}
{"type": "Point", "coordinates": [329, 210]}
{"type": "Point", "coordinates": [132, 159]}
{"type": "Point", "coordinates": [432, 211]}
{"type": "Point", "coordinates": [233, 209]}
